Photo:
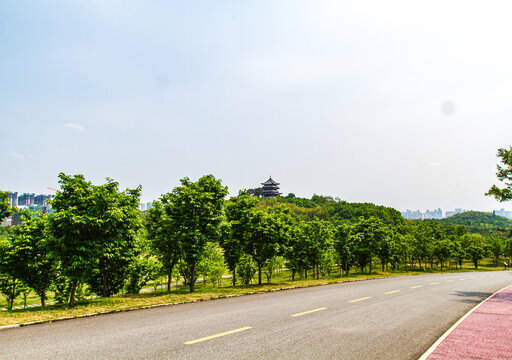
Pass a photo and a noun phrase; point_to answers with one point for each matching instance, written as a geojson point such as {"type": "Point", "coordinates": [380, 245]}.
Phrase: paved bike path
{"type": "Point", "coordinates": [486, 333]}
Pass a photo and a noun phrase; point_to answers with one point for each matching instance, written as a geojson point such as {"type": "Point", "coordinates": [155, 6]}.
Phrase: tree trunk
{"type": "Point", "coordinates": [293, 275]}
{"type": "Point", "coordinates": [169, 276]}
{"type": "Point", "coordinates": [43, 296]}
{"type": "Point", "coordinates": [11, 300]}
{"type": "Point", "coordinates": [192, 278]}
{"type": "Point", "coordinates": [305, 273]}
{"type": "Point", "coordinates": [370, 264]}
{"type": "Point", "coordinates": [317, 271]}
{"type": "Point", "coordinates": [259, 274]}
{"type": "Point", "coordinates": [72, 295]}
{"type": "Point", "coordinates": [104, 289]}
{"type": "Point", "coordinates": [234, 276]}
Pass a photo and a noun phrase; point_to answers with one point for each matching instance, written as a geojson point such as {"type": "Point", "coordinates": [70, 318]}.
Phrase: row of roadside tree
{"type": "Point", "coordinates": [96, 237]}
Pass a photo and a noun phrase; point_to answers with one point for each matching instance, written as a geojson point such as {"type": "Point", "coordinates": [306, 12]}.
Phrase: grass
{"type": "Point", "coordinates": [204, 291]}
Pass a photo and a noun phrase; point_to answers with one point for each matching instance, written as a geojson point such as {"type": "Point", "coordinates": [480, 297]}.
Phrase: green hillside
{"type": "Point", "coordinates": [480, 222]}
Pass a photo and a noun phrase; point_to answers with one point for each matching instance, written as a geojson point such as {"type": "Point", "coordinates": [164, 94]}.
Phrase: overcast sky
{"type": "Point", "coordinates": [399, 103]}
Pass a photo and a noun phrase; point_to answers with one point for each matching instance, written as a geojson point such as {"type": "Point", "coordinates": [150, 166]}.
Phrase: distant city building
{"type": "Point", "coordinates": [434, 214]}
{"type": "Point", "coordinates": [412, 215]}
{"type": "Point", "coordinates": [41, 199]}
{"type": "Point", "coordinates": [142, 207]}
{"type": "Point", "coordinates": [270, 188]}
{"type": "Point", "coordinates": [148, 205]}
{"type": "Point", "coordinates": [13, 199]}
{"type": "Point", "coordinates": [502, 212]}
{"type": "Point", "coordinates": [26, 199]}
{"type": "Point", "coordinates": [456, 211]}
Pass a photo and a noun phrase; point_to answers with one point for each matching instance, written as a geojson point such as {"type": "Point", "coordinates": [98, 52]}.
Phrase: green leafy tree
{"type": "Point", "coordinates": [31, 248]}
{"type": "Point", "coordinates": [320, 235]}
{"type": "Point", "coordinates": [197, 212]}
{"type": "Point", "coordinates": [474, 245]}
{"type": "Point", "coordinates": [504, 175]}
{"type": "Point", "coordinates": [368, 234]}
{"type": "Point", "coordinates": [344, 246]}
{"type": "Point", "coordinates": [163, 235]}
{"type": "Point", "coordinates": [5, 209]}
{"type": "Point", "coordinates": [239, 211]}
{"type": "Point", "coordinates": [119, 217]}
{"type": "Point", "coordinates": [268, 233]}
{"type": "Point", "coordinates": [443, 250]}
{"type": "Point", "coordinates": [246, 269]}
{"type": "Point", "coordinates": [141, 271]}
{"type": "Point", "coordinates": [212, 265]}
{"type": "Point", "coordinates": [94, 228]}
{"type": "Point", "coordinates": [296, 249]}
{"type": "Point", "coordinates": [495, 245]}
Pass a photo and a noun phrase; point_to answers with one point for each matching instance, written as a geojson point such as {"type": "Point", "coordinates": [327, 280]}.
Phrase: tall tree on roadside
{"type": "Point", "coordinates": [344, 247]}
{"type": "Point", "coordinates": [163, 236]}
{"type": "Point", "coordinates": [5, 209]}
{"type": "Point", "coordinates": [119, 220]}
{"type": "Point", "coordinates": [504, 175]}
{"type": "Point", "coordinates": [267, 235]}
{"type": "Point", "coordinates": [31, 249]}
{"type": "Point", "coordinates": [197, 211]}
{"type": "Point", "coordinates": [239, 211]}
{"type": "Point", "coordinates": [368, 234]}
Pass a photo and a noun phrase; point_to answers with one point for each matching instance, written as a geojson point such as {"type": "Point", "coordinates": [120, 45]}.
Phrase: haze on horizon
{"type": "Point", "coordinates": [398, 103]}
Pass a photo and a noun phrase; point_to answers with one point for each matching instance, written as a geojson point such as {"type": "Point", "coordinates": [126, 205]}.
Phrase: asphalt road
{"type": "Point", "coordinates": [395, 318]}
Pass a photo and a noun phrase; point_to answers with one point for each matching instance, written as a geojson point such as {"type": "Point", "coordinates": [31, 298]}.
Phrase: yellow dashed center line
{"type": "Point", "coordinates": [435, 283]}
{"type": "Point", "coordinates": [417, 286]}
{"type": "Point", "coordinates": [450, 280]}
{"type": "Point", "coordinates": [356, 300]}
{"type": "Point", "coordinates": [217, 335]}
{"type": "Point", "coordinates": [309, 312]}
{"type": "Point", "coordinates": [392, 292]}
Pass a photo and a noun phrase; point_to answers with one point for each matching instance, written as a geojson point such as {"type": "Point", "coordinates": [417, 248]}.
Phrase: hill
{"type": "Point", "coordinates": [480, 222]}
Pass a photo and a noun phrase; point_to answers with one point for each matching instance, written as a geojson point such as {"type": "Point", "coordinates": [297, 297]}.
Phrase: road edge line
{"type": "Point", "coordinates": [454, 326]}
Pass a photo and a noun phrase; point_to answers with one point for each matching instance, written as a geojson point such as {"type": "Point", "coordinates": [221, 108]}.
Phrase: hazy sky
{"type": "Point", "coordinates": [400, 103]}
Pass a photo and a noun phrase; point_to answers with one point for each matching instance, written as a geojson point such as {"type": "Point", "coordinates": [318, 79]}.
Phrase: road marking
{"type": "Point", "coordinates": [450, 280]}
{"type": "Point", "coordinates": [463, 279]}
{"type": "Point", "coordinates": [392, 292]}
{"type": "Point", "coordinates": [356, 300]}
{"type": "Point", "coordinates": [417, 286]}
{"type": "Point", "coordinates": [435, 283]}
{"type": "Point", "coordinates": [217, 335]}
{"type": "Point", "coordinates": [309, 312]}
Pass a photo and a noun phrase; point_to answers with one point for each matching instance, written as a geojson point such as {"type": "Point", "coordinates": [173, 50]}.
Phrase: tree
{"type": "Point", "coordinates": [239, 211]}
{"type": "Point", "coordinates": [443, 249]}
{"type": "Point", "coordinates": [267, 234]}
{"type": "Point", "coordinates": [320, 235]}
{"type": "Point", "coordinates": [504, 175]}
{"type": "Point", "coordinates": [141, 271]}
{"type": "Point", "coordinates": [296, 249]}
{"type": "Point", "coordinates": [162, 233]}
{"type": "Point", "coordinates": [368, 234]}
{"type": "Point", "coordinates": [495, 245]}
{"type": "Point", "coordinates": [119, 218]}
{"type": "Point", "coordinates": [5, 209]}
{"type": "Point", "coordinates": [212, 264]}
{"type": "Point", "coordinates": [31, 249]}
{"type": "Point", "coordinates": [475, 247]}
{"type": "Point", "coordinates": [196, 211]}
{"type": "Point", "coordinates": [93, 228]}
{"type": "Point", "coordinates": [344, 247]}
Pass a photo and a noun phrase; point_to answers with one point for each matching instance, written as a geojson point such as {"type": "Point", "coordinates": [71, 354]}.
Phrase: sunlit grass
{"type": "Point", "coordinates": [204, 291]}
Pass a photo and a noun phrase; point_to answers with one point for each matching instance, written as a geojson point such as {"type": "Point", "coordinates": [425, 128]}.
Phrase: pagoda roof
{"type": "Point", "coordinates": [270, 181]}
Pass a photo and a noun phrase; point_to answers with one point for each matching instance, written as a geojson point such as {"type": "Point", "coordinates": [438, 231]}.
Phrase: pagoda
{"type": "Point", "coordinates": [270, 188]}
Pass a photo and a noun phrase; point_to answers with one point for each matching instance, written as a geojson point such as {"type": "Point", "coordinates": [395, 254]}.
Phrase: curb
{"type": "Point", "coordinates": [454, 326]}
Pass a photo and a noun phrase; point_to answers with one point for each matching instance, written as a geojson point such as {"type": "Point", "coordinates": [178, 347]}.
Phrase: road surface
{"type": "Point", "coordinates": [394, 318]}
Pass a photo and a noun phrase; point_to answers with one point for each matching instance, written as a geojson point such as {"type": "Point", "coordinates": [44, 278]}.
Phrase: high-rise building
{"type": "Point", "coordinates": [13, 199]}
{"type": "Point", "coordinates": [26, 199]}
{"type": "Point", "coordinates": [41, 199]}
{"type": "Point", "coordinates": [142, 207]}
